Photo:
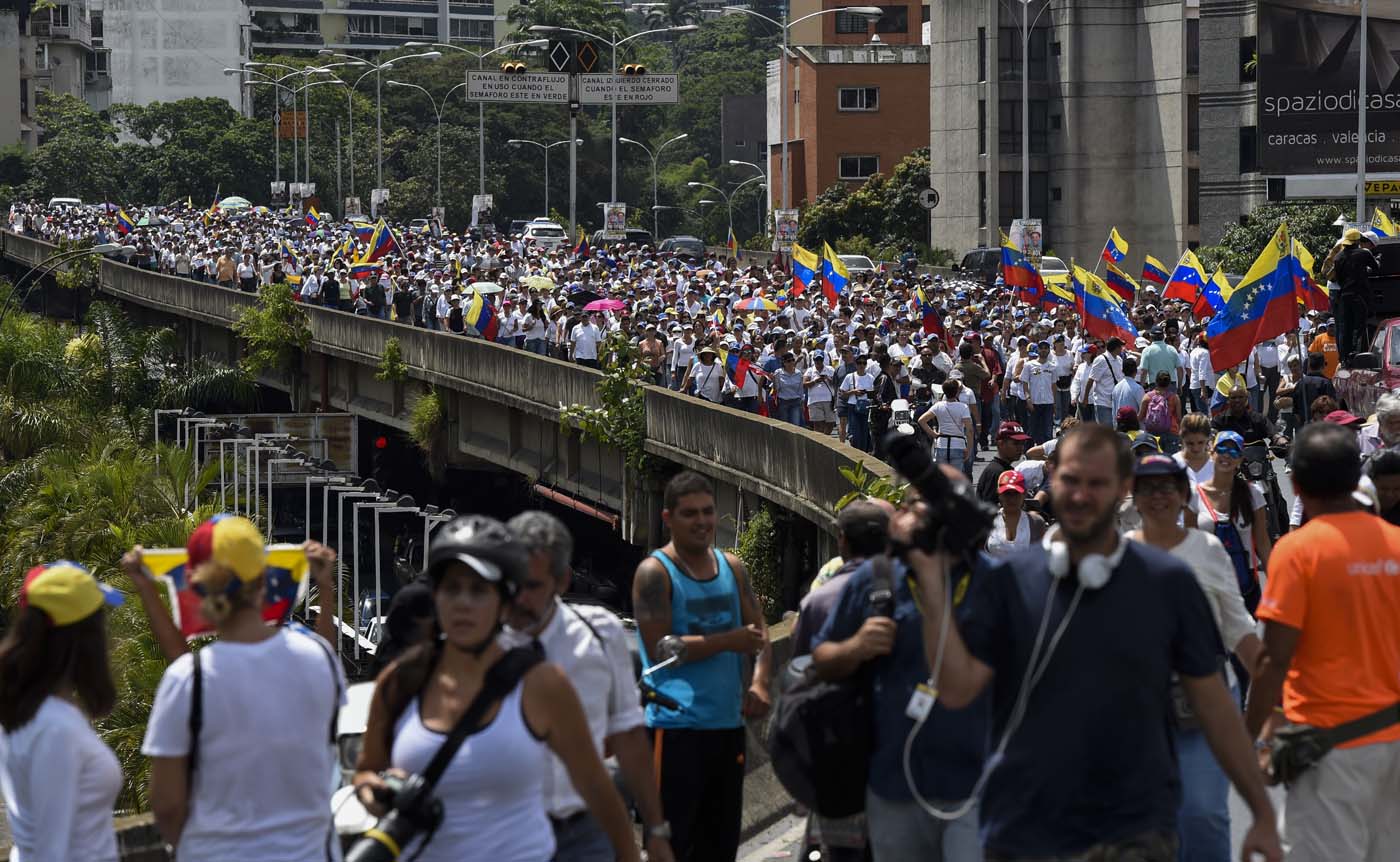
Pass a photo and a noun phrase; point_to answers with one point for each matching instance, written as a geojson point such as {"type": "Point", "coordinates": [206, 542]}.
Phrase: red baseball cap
{"type": "Point", "coordinates": [1012, 431]}
{"type": "Point", "coordinates": [1011, 480]}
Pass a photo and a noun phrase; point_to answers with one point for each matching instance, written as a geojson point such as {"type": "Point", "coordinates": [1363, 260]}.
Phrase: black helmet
{"type": "Point", "coordinates": [484, 544]}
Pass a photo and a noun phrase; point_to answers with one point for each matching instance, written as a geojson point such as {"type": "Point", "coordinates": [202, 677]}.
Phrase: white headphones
{"type": "Point", "coordinates": [1093, 571]}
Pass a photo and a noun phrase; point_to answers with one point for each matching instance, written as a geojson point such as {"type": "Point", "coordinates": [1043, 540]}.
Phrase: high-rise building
{"type": "Point", "coordinates": [1109, 123]}
{"type": "Point", "coordinates": [176, 50]}
{"type": "Point", "coordinates": [289, 26]}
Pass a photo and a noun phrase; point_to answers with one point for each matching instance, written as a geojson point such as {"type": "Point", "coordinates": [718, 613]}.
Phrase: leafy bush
{"type": "Point", "coordinates": [425, 420]}
{"type": "Point", "coordinates": [758, 548]}
{"type": "Point", "coordinates": [391, 364]}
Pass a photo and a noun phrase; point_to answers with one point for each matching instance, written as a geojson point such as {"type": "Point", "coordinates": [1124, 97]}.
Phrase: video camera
{"type": "Point", "coordinates": [958, 522]}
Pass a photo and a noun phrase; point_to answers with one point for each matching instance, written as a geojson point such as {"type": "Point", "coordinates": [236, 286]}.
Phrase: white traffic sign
{"type": "Point", "coordinates": [630, 90]}
{"type": "Point", "coordinates": [527, 87]}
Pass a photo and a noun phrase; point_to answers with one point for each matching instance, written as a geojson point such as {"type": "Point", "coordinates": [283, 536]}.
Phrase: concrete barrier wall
{"type": "Point", "coordinates": [794, 468]}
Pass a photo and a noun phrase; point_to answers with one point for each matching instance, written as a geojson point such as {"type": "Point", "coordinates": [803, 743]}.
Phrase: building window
{"type": "Point", "coordinates": [99, 62]}
{"type": "Point", "coordinates": [1193, 123]}
{"type": "Point", "coordinates": [1055, 194]}
{"type": "Point", "coordinates": [858, 167]}
{"type": "Point", "coordinates": [849, 22]}
{"type": "Point", "coordinates": [1055, 121]}
{"type": "Point", "coordinates": [893, 19]}
{"type": "Point", "coordinates": [1009, 196]}
{"type": "Point", "coordinates": [41, 57]}
{"type": "Point", "coordinates": [96, 31]}
{"type": "Point", "coordinates": [1249, 149]}
{"type": "Point", "coordinates": [1193, 46]}
{"type": "Point", "coordinates": [1193, 196]}
{"type": "Point", "coordinates": [981, 53]}
{"type": "Point", "coordinates": [472, 30]}
{"type": "Point", "coordinates": [1249, 48]}
{"type": "Point", "coordinates": [981, 127]}
{"type": "Point", "coordinates": [981, 198]}
{"type": "Point", "coordinates": [1009, 53]}
{"type": "Point", "coordinates": [858, 98]}
{"type": "Point", "coordinates": [1009, 126]}
{"type": "Point", "coordinates": [58, 16]}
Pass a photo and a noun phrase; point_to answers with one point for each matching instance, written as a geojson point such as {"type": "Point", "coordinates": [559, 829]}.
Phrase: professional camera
{"type": "Point", "coordinates": [412, 809]}
{"type": "Point", "coordinates": [958, 522]}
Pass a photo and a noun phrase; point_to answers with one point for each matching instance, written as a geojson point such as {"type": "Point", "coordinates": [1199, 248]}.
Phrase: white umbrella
{"type": "Point", "coordinates": [485, 287]}
{"type": "Point", "coordinates": [235, 203]}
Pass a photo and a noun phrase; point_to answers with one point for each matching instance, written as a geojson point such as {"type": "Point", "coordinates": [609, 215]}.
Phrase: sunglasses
{"type": "Point", "coordinates": [1230, 449]}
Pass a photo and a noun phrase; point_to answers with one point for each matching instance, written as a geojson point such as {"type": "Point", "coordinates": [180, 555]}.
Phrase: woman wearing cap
{"type": "Point", "coordinates": [952, 434]}
{"type": "Point", "coordinates": [1162, 490]}
{"type": "Point", "coordinates": [492, 790]}
{"type": "Point", "coordinates": [1014, 529]}
{"type": "Point", "coordinates": [59, 780]}
{"type": "Point", "coordinates": [240, 731]}
{"type": "Point", "coordinates": [1233, 510]}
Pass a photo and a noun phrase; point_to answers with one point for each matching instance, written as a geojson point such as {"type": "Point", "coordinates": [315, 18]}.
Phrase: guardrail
{"type": "Point", "coordinates": [793, 467]}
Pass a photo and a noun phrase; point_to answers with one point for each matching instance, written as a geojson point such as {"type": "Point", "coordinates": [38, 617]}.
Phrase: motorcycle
{"type": "Point", "coordinates": [1258, 470]}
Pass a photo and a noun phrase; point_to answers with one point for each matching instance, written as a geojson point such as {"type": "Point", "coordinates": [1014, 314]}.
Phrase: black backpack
{"type": "Point", "coordinates": [820, 738]}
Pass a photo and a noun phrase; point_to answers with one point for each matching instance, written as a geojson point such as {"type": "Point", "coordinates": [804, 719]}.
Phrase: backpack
{"type": "Point", "coordinates": [1158, 418]}
{"type": "Point", "coordinates": [821, 735]}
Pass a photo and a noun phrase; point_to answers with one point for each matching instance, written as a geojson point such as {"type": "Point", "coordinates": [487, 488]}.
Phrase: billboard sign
{"type": "Point", "coordinates": [535, 87]}
{"type": "Point", "coordinates": [1026, 236]}
{"type": "Point", "coordinates": [1309, 52]}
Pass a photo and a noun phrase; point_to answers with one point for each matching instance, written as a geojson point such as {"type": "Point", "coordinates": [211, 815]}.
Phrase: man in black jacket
{"type": "Point", "coordinates": [1352, 273]}
{"type": "Point", "coordinates": [1011, 445]}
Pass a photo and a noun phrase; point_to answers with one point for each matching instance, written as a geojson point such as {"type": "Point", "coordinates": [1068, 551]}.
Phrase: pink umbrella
{"type": "Point", "coordinates": [605, 305]}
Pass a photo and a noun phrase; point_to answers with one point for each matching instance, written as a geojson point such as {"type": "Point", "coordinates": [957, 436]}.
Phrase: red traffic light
{"type": "Point", "coordinates": [381, 442]}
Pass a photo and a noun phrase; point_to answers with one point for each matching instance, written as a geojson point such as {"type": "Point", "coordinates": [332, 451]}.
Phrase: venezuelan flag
{"type": "Point", "coordinates": [363, 232]}
{"type": "Point", "coordinates": [1212, 296]}
{"type": "Point", "coordinates": [284, 578]}
{"type": "Point", "coordinates": [805, 265]}
{"type": "Point", "coordinates": [1116, 248]}
{"type": "Point", "coordinates": [1059, 293]}
{"type": "Point", "coordinates": [1311, 295]}
{"type": "Point", "coordinates": [932, 320]}
{"type": "Point", "coordinates": [124, 223]}
{"type": "Point", "coordinates": [361, 269]}
{"type": "Point", "coordinates": [717, 319]}
{"type": "Point", "coordinates": [735, 366]}
{"type": "Point", "coordinates": [835, 277]}
{"type": "Point", "coordinates": [1263, 306]}
{"type": "Point", "coordinates": [381, 242]}
{"type": "Point", "coordinates": [482, 317]}
{"type": "Point", "coordinates": [581, 249]}
{"type": "Point", "coordinates": [1381, 223]}
{"type": "Point", "coordinates": [313, 218]}
{"type": "Point", "coordinates": [1103, 315]}
{"type": "Point", "coordinates": [1121, 283]}
{"type": "Point", "coordinates": [1187, 280]}
{"type": "Point", "coordinates": [732, 243]}
{"type": "Point", "coordinates": [1154, 272]}
{"type": "Point", "coordinates": [1019, 274]}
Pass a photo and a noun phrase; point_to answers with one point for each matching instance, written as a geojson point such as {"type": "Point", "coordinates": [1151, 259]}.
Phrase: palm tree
{"type": "Point", "coordinates": [594, 17]}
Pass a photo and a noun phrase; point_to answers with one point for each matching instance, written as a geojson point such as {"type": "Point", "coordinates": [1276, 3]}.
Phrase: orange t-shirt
{"type": "Point", "coordinates": [1337, 580]}
{"type": "Point", "coordinates": [1327, 346]}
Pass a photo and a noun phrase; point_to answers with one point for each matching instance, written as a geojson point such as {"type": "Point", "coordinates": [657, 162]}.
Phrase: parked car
{"type": "Point", "coordinates": [858, 264]}
{"type": "Point", "coordinates": [546, 234]}
{"type": "Point", "coordinates": [64, 202]}
{"type": "Point", "coordinates": [630, 235]}
{"type": "Point", "coordinates": [517, 226]}
{"type": "Point", "coordinates": [1053, 271]}
{"type": "Point", "coordinates": [982, 264]}
{"type": "Point", "coordinates": [418, 225]}
{"type": "Point", "coordinates": [684, 246]}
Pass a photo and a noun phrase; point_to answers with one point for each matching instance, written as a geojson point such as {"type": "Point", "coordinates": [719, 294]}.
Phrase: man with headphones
{"type": "Point", "coordinates": [1077, 640]}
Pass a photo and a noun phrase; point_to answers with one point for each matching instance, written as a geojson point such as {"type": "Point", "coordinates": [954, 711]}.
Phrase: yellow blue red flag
{"type": "Point", "coordinates": [1116, 248]}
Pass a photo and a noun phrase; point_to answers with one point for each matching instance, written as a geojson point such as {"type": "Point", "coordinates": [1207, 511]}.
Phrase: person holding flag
{"type": "Point", "coordinates": [1352, 273]}
{"type": "Point", "coordinates": [1020, 274]}
{"type": "Point", "coordinates": [124, 223]}
{"type": "Point", "coordinates": [1381, 224]}
{"type": "Point", "coordinates": [1262, 306]}
{"type": "Point", "coordinates": [835, 277]}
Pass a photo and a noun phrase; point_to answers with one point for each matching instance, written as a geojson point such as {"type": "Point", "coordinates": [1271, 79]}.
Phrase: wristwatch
{"type": "Point", "coordinates": [660, 830]}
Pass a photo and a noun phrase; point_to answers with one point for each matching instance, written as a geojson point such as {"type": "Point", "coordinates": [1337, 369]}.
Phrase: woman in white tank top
{"type": "Point", "coordinates": [492, 790]}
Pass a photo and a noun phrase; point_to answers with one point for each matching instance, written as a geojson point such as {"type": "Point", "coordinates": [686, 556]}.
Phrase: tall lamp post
{"type": "Point", "coordinates": [515, 142]}
{"type": "Point", "coordinates": [728, 202]}
{"type": "Point", "coordinates": [276, 113]}
{"type": "Point", "coordinates": [614, 43]}
{"type": "Point", "coordinates": [437, 111]}
{"type": "Point", "coordinates": [870, 13]}
{"type": "Point", "coordinates": [767, 184]}
{"type": "Point", "coordinates": [655, 160]}
{"type": "Point", "coordinates": [1361, 118]}
{"type": "Point", "coordinates": [480, 106]}
{"type": "Point", "coordinates": [305, 88]}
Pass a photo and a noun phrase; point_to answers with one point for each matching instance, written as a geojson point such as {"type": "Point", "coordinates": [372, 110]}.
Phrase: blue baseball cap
{"type": "Point", "coordinates": [1229, 442]}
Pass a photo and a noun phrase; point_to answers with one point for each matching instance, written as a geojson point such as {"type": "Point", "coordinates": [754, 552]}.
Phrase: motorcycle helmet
{"type": "Point", "coordinates": [485, 545]}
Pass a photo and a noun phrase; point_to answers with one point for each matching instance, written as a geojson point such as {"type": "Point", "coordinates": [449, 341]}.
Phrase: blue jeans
{"type": "Point", "coordinates": [790, 410]}
{"type": "Point", "coordinates": [901, 831]}
{"type": "Point", "coordinates": [581, 839]}
{"type": "Point", "coordinates": [1062, 406]}
{"type": "Point", "coordinates": [858, 429]}
{"type": "Point", "coordinates": [1203, 821]}
{"type": "Point", "coordinates": [1042, 422]}
{"type": "Point", "coordinates": [535, 345]}
{"type": "Point", "coordinates": [1103, 415]}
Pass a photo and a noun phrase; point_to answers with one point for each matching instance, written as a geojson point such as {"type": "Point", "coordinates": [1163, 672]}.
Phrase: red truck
{"type": "Point", "coordinates": [1373, 373]}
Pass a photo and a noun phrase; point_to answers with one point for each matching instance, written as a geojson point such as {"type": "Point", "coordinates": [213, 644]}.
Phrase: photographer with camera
{"type": "Point", "coordinates": [1331, 662]}
{"type": "Point", "coordinates": [1077, 639]}
{"type": "Point", "coordinates": [456, 749]}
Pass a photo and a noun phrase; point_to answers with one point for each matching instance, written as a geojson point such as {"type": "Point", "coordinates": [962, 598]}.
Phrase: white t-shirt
{"type": "Point", "coordinates": [948, 418]}
{"type": "Point", "coordinates": [1215, 573]}
{"type": "Point", "coordinates": [854, 381]}
{"type": "Point", "coordinates": [585, 338]}
{"type": "Point", "coordinates": [1205, 474]}
{"type": "Point", "coordinates": [59, 782]}
{"type": "Point", "coordinates": [819, 393]}
{"type": "Point", "coordinates": [262, 787]}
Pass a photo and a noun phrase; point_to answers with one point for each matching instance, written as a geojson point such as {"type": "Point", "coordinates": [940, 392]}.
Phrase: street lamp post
{"type": "Point", "coordinates": [614, 43]}
{"type": "Point", "coordinates": [870, 13]}
{"type": "Point", "coordinates": [1361, 119]}
{"type": "Point", "coordinates": [728, 201]}
{"type": "Point", "coordinates": [655, 160]}
{"type": "Point", "coordinates": [1027, 26]}
{"type": "Point", "coordinates": [480, 106]}
{"type": "Point", "coordinates": [277, 84]}
{"type": "Point", "coordinates": [767, 185]}
{"type": "Point", "coordinates": [437, 111]}
{"type": "Point", "coordinates": [515, 142]}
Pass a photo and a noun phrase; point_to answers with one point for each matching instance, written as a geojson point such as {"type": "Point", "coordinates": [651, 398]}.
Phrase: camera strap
{"type": "Point", "coordinates": [501, 678]}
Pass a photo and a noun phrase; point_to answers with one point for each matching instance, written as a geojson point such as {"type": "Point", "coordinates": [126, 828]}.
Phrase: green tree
{"type": "Point", "coordinates": [276, 334]}
{"type": "Point", "coordinates": [1310, 224]}
{"type": "Point", "coordinates": [881, 218]}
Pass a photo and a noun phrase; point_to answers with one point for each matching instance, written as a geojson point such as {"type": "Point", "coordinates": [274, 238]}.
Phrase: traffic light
{"type": "Point", "coordinates": [512, 67]}
{"type": "Point", "coordinates": [634, 69]}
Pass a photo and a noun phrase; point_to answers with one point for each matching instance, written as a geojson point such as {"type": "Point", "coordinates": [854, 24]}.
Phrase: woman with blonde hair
{"type": "Point", "coordinates": [240, 731]}
{"type": "Point", "coordinates": [58, 779]}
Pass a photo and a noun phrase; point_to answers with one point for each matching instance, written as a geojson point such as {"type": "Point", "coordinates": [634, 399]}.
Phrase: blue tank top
{"type": "Point", "coordinates": [712, 689]}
